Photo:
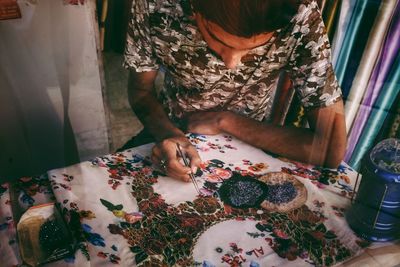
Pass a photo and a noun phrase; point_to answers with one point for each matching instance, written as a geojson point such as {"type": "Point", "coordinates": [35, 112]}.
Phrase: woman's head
{"type": "Point", "coordinates": [232, 28]}
{"type": "Point", "coordinates": [246, 18]}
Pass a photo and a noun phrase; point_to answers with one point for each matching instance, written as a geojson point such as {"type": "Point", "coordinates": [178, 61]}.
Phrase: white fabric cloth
{"type": "Point", "coordinates": [102, 192]}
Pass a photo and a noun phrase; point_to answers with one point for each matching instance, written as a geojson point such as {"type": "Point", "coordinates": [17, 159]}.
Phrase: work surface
{"type": "Point", "coordinates": [131, 214]}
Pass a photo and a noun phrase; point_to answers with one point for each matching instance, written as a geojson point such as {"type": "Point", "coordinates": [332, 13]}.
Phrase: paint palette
{"type": "Point", "coordinates": [276, 191]}
{"type": "Point", "coordinates": [44, 236]}
{"type": "Point", "coordinates": [243, 191]}
{"type": "Point", "coordinates": [285, 192]}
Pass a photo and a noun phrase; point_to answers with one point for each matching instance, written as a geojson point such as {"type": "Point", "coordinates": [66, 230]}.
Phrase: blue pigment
{"type": "Point", "coordinates": [243, 191]}
{"type": "Point", "coordinates": [281, 193]}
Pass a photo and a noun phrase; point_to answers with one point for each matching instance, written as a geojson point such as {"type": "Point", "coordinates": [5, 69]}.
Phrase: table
{"type": "Point", "coordinates": [130, 214]}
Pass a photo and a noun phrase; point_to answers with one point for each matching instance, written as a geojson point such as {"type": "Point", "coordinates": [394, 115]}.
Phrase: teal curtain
{"type": "Point", "coordinates": [349, 39]}
{"type": "Point", "coordinates": [375, 121]}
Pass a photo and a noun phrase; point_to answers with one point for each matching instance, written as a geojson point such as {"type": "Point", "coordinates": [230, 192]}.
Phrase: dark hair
{"type": "Point", "coordinates": [246, 18]}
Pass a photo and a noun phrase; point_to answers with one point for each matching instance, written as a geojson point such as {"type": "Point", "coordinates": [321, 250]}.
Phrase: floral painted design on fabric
{"type": "Point", "coordinates": [111, 257]}
{"type": "Point", "coordinates": [237, 256]}
{"type": "Point", "coordinates": [338, 211]}
{"type": "Point", "coordinates": [120, 168]}
{"type": "Point", "coordinates": [216, 146]}
{"type": "Point", "coordinates": [202, 144]}
{"type": "Point", "coordinates": [94, 238]}
{"type": "Point", "coordinates": [215, 172]}
{"type": "Point", "coordinates": [318, 210]}
{"type": "Point", "coordinates": [30, 187]}
{"type": "Point", "coordinates": [323, 177]}
{"type": "Point", "coordinates": [118, 212]}
{"type": "Point", "coordinates": [258, 167]}
{"type": "Point", "coordinates": [233, 257]}
{"type": "Point", "coordinates": [301, 234]}
{"type": "Point", "coordinates": [58, 185]}
{"type": "Point", "coordinates": [164, 234]}
{"type": "Point", "coordinates": [82, 232]}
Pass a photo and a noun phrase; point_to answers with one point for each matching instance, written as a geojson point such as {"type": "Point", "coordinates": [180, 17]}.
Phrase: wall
{"type": "Point", "coordinates": [51, 103]}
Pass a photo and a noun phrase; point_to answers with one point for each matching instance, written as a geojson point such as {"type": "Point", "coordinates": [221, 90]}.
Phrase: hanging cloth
{"type": "Point", "coordinates": [378, 114]}
{"type": "Point", "coordinates": [368, 60]}
{"type": "Point", "coordinates": [390, 128]}
{"type": "Point", "coordinates": [346, 11]}
{"type": "Point", "coordinates": [358, 44]}
{"type": "Point", "coordinates": [330, 15]}
{"type": "Point", "coordinates": [353, 42]}
{"type": "Point", "coordinates": [391, 46]}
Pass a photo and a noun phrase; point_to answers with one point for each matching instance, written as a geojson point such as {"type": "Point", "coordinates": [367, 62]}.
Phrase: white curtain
{"type": "Point", "coordinates": [51, 104]}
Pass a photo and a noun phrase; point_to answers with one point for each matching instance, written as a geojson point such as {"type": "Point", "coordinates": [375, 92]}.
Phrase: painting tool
{"type": "Point", "coordinates": [186, 162]}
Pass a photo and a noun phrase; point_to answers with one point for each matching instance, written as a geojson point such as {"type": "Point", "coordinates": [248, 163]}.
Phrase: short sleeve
{"type": "Point", "coordinates": [312, 72]}
{"type": "Point", "coordinates": [139, 50]}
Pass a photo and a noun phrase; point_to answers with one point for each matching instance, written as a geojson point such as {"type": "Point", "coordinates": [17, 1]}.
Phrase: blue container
{"type": "Point", "coordinates": [375, 213]}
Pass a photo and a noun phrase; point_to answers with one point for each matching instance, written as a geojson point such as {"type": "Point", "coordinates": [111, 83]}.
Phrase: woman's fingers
{"type": "Point", "coordinates": [194, 158]}
{"type": "Point", "coordinates": [165, 155]}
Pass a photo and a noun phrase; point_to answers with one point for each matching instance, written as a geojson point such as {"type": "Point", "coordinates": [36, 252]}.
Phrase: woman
{"type": "Point", "coordinates": [222, 59]}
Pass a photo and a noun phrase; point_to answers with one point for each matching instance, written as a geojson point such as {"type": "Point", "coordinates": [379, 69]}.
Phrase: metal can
{"type": "Point", "coordinates": [375, 213]}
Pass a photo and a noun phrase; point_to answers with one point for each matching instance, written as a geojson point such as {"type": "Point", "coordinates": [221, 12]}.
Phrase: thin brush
{"type": "Point", "coordinates": [186, 162]}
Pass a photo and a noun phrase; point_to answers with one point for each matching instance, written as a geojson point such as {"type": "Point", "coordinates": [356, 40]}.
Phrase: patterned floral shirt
{"type": "Point", "coordinates": [162, 34]}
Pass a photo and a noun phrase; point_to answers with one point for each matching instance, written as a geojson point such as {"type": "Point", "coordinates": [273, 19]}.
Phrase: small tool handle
{"type": "Point", "coordinates": [186, 162]}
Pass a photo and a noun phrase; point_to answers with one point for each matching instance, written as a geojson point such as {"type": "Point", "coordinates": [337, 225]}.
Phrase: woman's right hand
{"type": "Point", "coordinates": [165, 154]}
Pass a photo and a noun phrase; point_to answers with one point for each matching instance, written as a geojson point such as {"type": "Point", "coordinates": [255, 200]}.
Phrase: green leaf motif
{"type": "Point", "coordinates": [141, 256]}
{"type": "Point", "coordinates": [83, 248]}
{"type": "Point", "coordinates": [168, 252]}
{"type": "Point", "coordinates": [321, 228]}
{"type": "Point", "coordinates": [136, 249]}
{"type": "Point", "coordinates": [110, 206]}
{"type": "Point", "coordinates": [330, 235]}
{"type": "Point", "coordinates": [328, 261]}
{"type": "Point", "coordinates": [118, 207]}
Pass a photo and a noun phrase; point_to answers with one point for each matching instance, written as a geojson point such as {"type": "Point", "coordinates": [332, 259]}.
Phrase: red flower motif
{"type": "Point", "coordinates": [133, 217]}
{"type": "Point", "coordinates": [222, 173]}
{"type": "Point", "coordinates": [153, 246]}
{"type": "Point", "coordinates": [206, 204]}
{"type": "Point", "coordinates": [154, 204]}
{"type": "Point", "coordinates": [281, 234]}
{"type": "Point", "coordinates": [227, 209]}
{"type": "Point", "coordinates": [188, 220]}
{"type": "Point", "coordinates": [102, 255]}
{"type": "Point", "coordinates": [317, 235]}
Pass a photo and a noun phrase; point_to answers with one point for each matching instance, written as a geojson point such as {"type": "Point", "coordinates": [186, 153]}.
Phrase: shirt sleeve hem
{"type": "Point", "coordinates": [140, 68]}
{"type": "Point", "coordinates": [324, 104]}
